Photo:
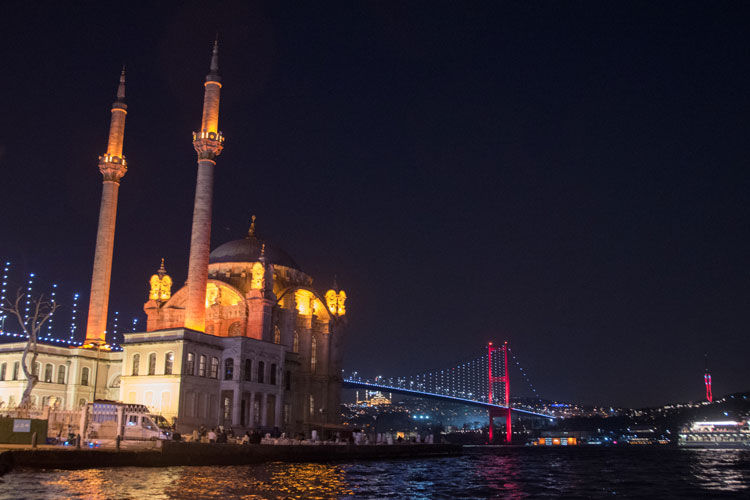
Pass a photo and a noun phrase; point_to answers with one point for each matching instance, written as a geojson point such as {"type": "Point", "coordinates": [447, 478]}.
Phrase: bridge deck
{"type": "Point", "coordinates": [357, 384]}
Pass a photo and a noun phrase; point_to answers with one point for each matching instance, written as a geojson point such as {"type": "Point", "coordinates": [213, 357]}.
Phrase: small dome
{"type": "Point", "coordinates": [248, 250]}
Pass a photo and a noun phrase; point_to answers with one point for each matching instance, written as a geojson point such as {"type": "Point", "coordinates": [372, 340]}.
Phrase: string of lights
{"type": "Point", "coordinates": [51, 318]}
{"type": "Point", "coordinates": [28, 297]}
{"type": "Point", "coordinates": [48, 334]}
{"type": "Point", "coordinates": [524, 374]}
{"type": "Point", "coordinates": [468, 379]}
{"type": "Point", "coordinates": [3, 291]}
{"type": "Point", "coordinates": [73, 324]}
{"type": "Point", "coordinates": [115, 322]}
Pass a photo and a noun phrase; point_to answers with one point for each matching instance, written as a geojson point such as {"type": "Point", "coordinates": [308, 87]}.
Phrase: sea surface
{"type": "Point", "coordinates": [481, 473]}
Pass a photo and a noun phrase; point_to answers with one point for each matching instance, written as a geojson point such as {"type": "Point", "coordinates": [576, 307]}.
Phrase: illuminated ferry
{"type": "Point", "coordinates": [722, 434]}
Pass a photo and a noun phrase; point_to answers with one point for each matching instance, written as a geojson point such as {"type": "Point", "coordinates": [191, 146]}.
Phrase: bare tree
{"type": "Point", "coordinates": [41, 311]}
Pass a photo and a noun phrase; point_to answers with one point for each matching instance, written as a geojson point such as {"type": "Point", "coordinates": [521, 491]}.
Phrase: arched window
{"type": "Point", "coordinates": [61, 374]}
{"type": "Point", "coordinates": [190, 367]}
{"type": "Point", "coordinates": [248, 370]}
{"type": "Point", "coordinates": [16, 367]}
{"type": "Point", "coordinates": [152, 363]}
{"type": "Point", "coordinates": [312, 406]}
{"type": "Point", "coordinates": [85, 376]}
{"type": "Point", "coordinates": [3, 369]}
{"type": "Point", "coordinates": [273, 373]}
{"type": "Point", "coordinates": [168, 363]}
{"type": "Point", "coordinates": [228, 369]}
{"type": "Point", "coordinates": [136, 364]}
{"type": "Point", "coordinates": [202, 366]}
{"type": "Point", "coordinates": [82, 402]}
{"type": "Point", "coordinates": [48, 369]}
{"type": "Point", "coordinates": [295, 345]}
{"type": "Point", "coordinates": [36, 369]}
{"type": "Point", "coordinates": [313, 354]}
{"type": "Point", "coordinates": [214, 368]}
{"type": "Point", "coordinates": [261, 372]}
{"type": "Point", "coordinates": [276, 335]}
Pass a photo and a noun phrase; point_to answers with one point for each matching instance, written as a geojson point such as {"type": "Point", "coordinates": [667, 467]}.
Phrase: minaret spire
{"type": "Point", "coordinates": [208, 143]}
{"type": "Point", "coordinates": [214, 74]}
{"type": "Point", "coordinates": [121, 87]}
{"type": "Point", "coordinates": [113, 167]}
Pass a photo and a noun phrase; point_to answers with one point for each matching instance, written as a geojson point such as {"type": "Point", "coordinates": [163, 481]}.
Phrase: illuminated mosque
{"type": "Point", "coordinates": [248, 342]}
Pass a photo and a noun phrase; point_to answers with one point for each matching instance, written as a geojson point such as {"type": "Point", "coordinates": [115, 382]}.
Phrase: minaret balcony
{"type": "Point", "coordinates": [113, 168]}
{"type": "Point", "coordinates": [207, 144]}
{"type": "Point", "coordinates": [107, 158]}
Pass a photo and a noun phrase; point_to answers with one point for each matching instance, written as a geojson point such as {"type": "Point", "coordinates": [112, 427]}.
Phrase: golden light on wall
{"type": "Point", "coordinates": [303, 298]}
{"type": "Point", "coordinates": [317, 306]}
{"type": "Point", "coordinates": [336, 302]}
{"type": "Point", "coordinates": [258, 279]}
{"type": "Point", "coordinates": [161, 285]}
{"type": "Point", "coordinates": [221, 295]}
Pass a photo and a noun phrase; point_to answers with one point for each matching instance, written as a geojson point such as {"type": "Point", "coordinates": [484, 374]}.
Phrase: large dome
{"type": "Point", "coordinates": [248, 250]}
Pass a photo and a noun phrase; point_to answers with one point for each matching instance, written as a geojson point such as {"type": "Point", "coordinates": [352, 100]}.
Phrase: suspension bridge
{"type": "Point", "coordinates": [483, 381]}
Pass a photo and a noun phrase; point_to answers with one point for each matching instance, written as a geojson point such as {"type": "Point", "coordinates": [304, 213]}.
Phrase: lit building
{"type": "Point", "coordinates": [247, 342]}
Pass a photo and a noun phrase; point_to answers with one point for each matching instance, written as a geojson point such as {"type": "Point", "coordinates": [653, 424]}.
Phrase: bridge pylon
{"type": "Point", "coordinates": [505, 380]}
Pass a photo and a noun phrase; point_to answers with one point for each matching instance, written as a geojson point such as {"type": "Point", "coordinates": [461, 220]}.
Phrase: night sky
{"type": "Point", "coordinates": [569, 176]}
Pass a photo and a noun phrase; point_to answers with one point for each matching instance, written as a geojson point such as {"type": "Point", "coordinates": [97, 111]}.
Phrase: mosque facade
{"type": "Point", "coordinates": [248, 342]}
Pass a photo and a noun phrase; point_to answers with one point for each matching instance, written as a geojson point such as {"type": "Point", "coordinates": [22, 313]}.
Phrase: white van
{"type": "Point", "coordinates": [136, 421]}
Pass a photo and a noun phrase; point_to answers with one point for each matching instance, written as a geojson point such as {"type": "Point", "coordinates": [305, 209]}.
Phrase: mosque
{"type": "Point", "coordinates": [248, 342]}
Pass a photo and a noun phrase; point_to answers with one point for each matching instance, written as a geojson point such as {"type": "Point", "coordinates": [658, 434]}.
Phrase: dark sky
{"type": "Point", "coordinates": [569, 176]}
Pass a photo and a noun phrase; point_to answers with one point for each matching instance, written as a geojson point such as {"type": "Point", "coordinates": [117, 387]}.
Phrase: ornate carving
{"type": "Point", "coordinates": [235, 329]}
{"type": "Point", "coordinates": [213, 295]}
{"type": "Point", "coordinates": [335, 302]}
{"type": "Point", "coordinates": [331, 300]}
{"type": "Point", "coordinates": [208, 145]}
{"type": "Point", "coordinates": [258, 280]}
{"type": "Point", "coordinates": [113, 168]}
{"type": "Point", "coordinates": [161, 285]}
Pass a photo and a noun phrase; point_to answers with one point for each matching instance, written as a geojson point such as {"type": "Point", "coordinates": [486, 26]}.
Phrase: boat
{"type": "Point", "coordinates": [720, 434]}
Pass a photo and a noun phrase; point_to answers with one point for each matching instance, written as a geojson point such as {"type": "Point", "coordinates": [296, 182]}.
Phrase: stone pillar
{"type": "Point", "coordinates": [264, 410]}
{"type": "Point", "coordinates": [120, 412]}
{"type": "Point", "coordinates": [208, 143]}
{"type": "Point", "coordinates": [236, 406]}
{"type": "Point", "coordinates": [278, 413]}
{"type": "Point", "coordinates": [113, 167]}
{"type": "Point", "coordinates": [251, 410]}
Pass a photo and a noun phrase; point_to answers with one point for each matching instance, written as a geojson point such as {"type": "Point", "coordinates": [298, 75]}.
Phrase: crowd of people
{"type": "Point", "coordinates": [223, 434]}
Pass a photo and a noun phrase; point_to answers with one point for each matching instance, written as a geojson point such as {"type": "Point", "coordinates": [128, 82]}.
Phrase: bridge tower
{"type": "Point", "coordinates": [505, 380]}
{"type": "Point", "coordinates": [707, 381]}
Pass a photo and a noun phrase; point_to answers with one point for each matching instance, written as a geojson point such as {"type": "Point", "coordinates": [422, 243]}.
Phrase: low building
{"type": "Point", "coordinates": [68, 377]}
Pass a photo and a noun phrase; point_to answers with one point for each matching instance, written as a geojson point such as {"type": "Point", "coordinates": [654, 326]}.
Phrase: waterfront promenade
{"type": "Point", "coordinates": [172, 453]}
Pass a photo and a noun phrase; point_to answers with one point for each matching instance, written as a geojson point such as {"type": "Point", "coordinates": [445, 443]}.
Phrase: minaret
{"type": "Point", "coordinates": [112, 165]}
{"type": "Point", "coordinates": [208, 144]}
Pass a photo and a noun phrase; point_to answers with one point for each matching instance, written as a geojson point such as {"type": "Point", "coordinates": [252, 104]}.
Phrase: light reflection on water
{"type": "Point", "coordinates": [514, 473]}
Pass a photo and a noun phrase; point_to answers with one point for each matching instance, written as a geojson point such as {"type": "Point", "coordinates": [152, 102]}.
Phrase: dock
{"type": "Point", "coordinates": [173, 453]}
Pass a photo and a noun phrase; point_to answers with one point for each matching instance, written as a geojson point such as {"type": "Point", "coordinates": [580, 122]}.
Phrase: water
{"type": "Point", "coordinates": [494, 473]}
